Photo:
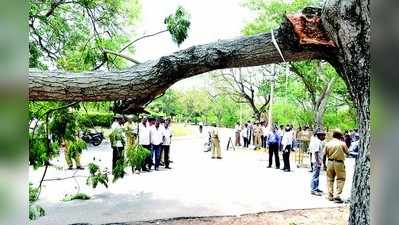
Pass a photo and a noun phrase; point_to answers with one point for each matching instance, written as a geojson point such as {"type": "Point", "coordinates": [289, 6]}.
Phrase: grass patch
{"type": "Point", "coordinates": [80, 196]}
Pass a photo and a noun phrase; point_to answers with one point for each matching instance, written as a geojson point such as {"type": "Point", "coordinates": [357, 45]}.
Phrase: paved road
{"type": "Point", "coordinates": [196, 186]}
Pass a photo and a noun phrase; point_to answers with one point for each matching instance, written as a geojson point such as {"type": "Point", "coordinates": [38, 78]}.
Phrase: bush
{"type": "Point", "coordinates": [80, 196]}
{"type": "Point", "coordinates": [95, 119]}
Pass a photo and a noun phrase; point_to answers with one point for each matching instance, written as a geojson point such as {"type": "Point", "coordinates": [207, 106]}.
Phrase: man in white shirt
{"type": "Point", "coordinates": [156, 139]}
{"type": "Point", "coordinates": [286, 142]}
{"type": "Point", "coordinates": [144, 140]}
{"type": "Point", "coordinates": [316, 148]}
{"type": "Point", "coordinates": [245, 135]}
{"type": "Point", "coordinates": [167, 135]}
{"type": "Point", "coordinates": [118, 141]}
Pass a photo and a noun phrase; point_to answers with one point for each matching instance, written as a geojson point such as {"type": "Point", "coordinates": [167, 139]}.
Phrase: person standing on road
{"type": "Point", "coordinates": [335, 151]}
{"type": "Point", "coordinates": [287, 140]}
{"type": "Point", "coordinates": [144, 140]}
{"type": "Point", "coordinates": [237, 130]}
{"type": "Point", "coordinates": [316, 147]}
{"type": "Point", "coordinates": [257, 135]}
{"type": "Point", "coordinates": [216, 151]}
{"type": "Point", "coordinates": [245, 135]}
{"type": "Point", "coordinates": [273, 142]}
{"type": "Point", "coordinates": [117, 138]}
{"type": "Point", "coordinates": [156, 137]}
{"type": "Point", "coordinates": [167, 135]}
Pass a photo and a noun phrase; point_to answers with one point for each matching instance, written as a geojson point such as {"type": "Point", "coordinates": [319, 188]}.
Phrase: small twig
{"type": "Point", "coordinates": [121, 55]}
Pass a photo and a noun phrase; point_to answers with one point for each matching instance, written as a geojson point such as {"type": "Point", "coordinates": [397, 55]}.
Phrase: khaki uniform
{"type": "Point", "coordinates": [258, 136]}
{"type": "Point", "coordinates": [68, 157]}
{"type": "Point", "coordinates": [335, 151]}
{"type": "Point", "coordinates": [216, 151]}
{"type": "Point", "coordinates": [299, 155]}
{"type": "Point", "coordinates": [129, 129]}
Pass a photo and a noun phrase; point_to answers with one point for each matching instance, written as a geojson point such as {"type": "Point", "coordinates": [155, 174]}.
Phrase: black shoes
{"type": "Point", "coordinates": [269, 167]}
{"type": "Point", "coordinates": [70, 168]}
{"type": "Point", "coordinates": [219, 157]}
{"type": "Point", "coordinates": [168, 167]}
{"type": "Point", "coordinates": [80, 168]}
{"type": "Point", "coordinates": [338, 200]}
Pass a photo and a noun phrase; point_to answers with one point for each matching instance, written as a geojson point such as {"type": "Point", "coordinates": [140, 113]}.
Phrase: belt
{"type": "Point", "coordinates": [334, 160]}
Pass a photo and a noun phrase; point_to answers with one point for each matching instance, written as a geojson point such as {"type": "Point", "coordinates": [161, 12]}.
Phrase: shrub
{"type": "Point", "coordinates": [81, 196]}
{"type": "Point", "coordinates": [95, 119]}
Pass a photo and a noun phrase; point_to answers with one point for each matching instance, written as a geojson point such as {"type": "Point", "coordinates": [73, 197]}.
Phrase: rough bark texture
{"type": "Point", "coordinates": [142, 83]}
{"type": "Point", "coordinates": [348, 23]}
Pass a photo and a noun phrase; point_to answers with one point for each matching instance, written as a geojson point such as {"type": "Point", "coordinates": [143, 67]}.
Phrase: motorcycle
{"type": "Point", "coordinates": [95, 138]}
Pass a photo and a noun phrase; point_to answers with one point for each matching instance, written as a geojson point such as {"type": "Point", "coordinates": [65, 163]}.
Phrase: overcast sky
{"type": "Point", "coordinates": [210, 20]}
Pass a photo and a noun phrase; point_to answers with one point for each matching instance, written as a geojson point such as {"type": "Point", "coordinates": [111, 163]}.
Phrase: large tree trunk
{"type": "Point", "coordinates": [348, 23]}
{"type": "Point", "coordinates": [142, 83]}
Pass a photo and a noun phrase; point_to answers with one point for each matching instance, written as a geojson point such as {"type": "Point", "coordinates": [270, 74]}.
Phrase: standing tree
{"type": "Point", "coordinates": [339, 33]}
{"type": "Point", "coordinates": [249, 85]}
{"type": "Point", "coordinates": [319, 80]}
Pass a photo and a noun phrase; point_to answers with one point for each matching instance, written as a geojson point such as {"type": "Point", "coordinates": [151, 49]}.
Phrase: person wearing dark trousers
{"type": "Point", "coordinates": [286, 158]}
{"type": "Point", "coordinates": [117, 141]}
{"type": "Point", "coordinates": [144, 140]}
{"type": "Point", "coordinates": [167, 135]}
{"type": "Point", "coordinates": [156, 137]}
{"type": "Point", "coordinates": [286, 142]}
{"type": "Point", "coordinates": [273, 141]}
{"type": "Point", "coordinates": [245, 135]}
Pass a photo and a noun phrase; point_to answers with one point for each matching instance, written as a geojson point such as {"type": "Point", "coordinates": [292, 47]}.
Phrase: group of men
{"type": "Point", "coordinates": [153, 134]}
{"type": "Point", "coordinates": [330, 155]}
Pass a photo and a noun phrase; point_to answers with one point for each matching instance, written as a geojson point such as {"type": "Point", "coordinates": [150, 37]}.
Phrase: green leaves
{"type": "Point", "coordinates": [271, 13]}
{"type": "Point", "coordinates": [80, 196]}
{"type": "Point", "coordinates": [119, 170]}
{"type": "Point", "coordinates": [75, 147]}
{"type": "Point", "coordinates": [96, 176]}
{"type": "Point", "coordinates": [136, 155]}
{"type": "Point", "coordinates": [178, 25]}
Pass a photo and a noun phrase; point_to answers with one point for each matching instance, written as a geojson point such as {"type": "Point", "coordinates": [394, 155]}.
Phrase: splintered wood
{"type": "Point", "coordinates": [309, 31]}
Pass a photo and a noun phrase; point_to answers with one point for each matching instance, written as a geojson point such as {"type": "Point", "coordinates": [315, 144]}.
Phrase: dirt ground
{"type": "Point", "coordinates": [325, 216]}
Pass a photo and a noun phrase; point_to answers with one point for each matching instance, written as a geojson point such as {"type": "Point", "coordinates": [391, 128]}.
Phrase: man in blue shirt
{"type": "Point", "coordinates": [273, 141]}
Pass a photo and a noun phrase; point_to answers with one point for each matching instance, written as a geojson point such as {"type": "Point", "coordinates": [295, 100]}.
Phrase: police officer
{"type": "Point", "coordinates": [257, 136]}
{"type": "Point", "coordinates": [130, 130]}
{"type": "Point", "coordinates": [335, 151]}
{"type": "Point", "coordinates": [216, 152]}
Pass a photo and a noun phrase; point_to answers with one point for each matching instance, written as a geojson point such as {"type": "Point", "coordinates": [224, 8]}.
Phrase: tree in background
{"type": "Point", "coordinates": [320, 81]}
{"type": "Point", "coordinates": [247, 85]}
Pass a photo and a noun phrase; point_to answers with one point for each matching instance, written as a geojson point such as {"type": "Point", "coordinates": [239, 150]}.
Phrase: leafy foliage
{"type": "Point", "coordinates": [136, 155]}
{"type": "Point", "coordinates": [75, 147]}
{"type": "Point", "coordinates": [95, 119]}
{"type": "Point", "coordinates": [178, 25]}
{"type": "Point", "coordinates": [116, 135]}
{"type": "Point", "coordinates": [35, 211]}
{"type": "Point", "coordinates": [96, 176]}
{"type": "Point", "coordinates": [72, 35]}
{"type": "Point", "coordinates": [271, 13]}
{"type": "Point", "coordinates": [119, 170]}
{"type": "Point", "coordinates": [78, 196]}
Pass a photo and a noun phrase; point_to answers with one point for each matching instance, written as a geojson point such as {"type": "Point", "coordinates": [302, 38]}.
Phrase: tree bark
{"type": "Point", "coordinates": [348, 24]}
{"type": "Point", "coordinates": [142, 83]}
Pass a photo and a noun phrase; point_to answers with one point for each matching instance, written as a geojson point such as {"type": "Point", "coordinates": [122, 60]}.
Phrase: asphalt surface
{"type": "Point", "coordinates": [196, 186]}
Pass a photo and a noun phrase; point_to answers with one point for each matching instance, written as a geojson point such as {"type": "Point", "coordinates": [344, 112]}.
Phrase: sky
{"type": "Point", "coordinates": [210, 20]}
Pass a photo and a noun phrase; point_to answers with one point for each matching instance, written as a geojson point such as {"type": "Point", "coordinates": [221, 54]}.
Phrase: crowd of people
{"type": "Point", "coordinates": [329, 155]}
{"type": "Point", "coordinates": [153, 134]}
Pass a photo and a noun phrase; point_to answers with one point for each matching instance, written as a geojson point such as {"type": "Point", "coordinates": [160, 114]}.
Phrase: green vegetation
{"type": "Point", "coordinates": [136, 155]}
{"type": "Point", "coordinates": [78, 196]}
{"type": "Point", "coordinates": [96, 176]}
{"type": "Point", "coordinates": [35, 211]}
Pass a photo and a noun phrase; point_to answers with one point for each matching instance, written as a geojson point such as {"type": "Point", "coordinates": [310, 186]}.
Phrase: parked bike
{"type": "Point", "coordinates": [95, 138]}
